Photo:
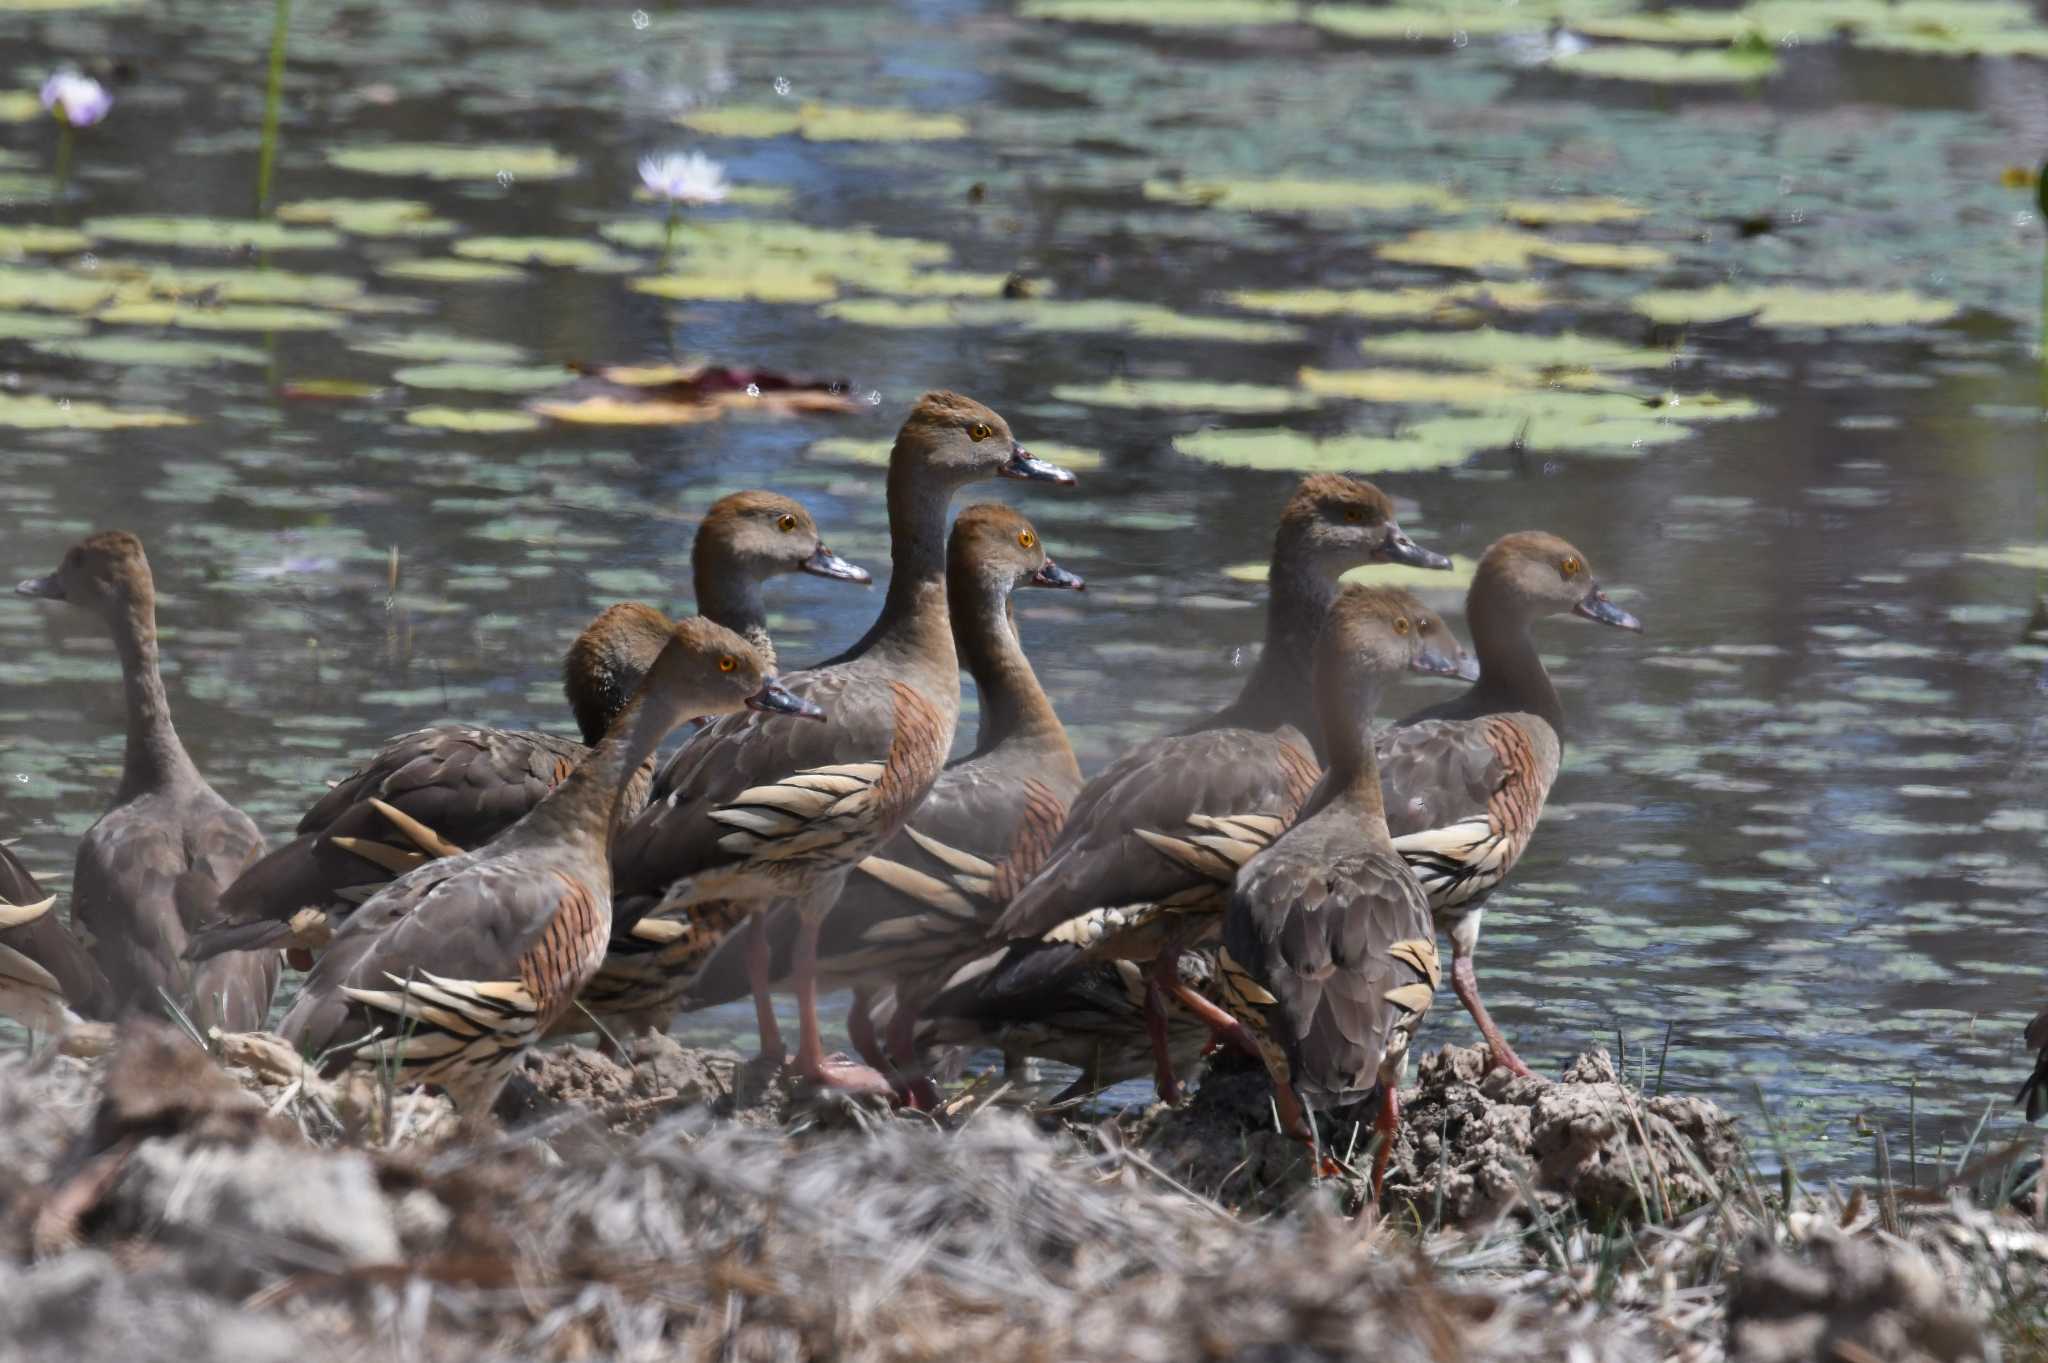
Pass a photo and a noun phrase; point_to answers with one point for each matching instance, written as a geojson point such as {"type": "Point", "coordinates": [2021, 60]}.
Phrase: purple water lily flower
{"type": "Point", "coordinates": [691, 178]}
{"type": "Point", "coordinates": [77, 100]}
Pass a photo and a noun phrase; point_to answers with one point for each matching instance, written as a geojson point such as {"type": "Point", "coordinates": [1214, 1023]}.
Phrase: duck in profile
{"type": "Point", "coordinates": [150, 872]}
{"type": "Point", "coordinates": [448, 975]}
{"type": "Point", "coordinates": [437, 791]}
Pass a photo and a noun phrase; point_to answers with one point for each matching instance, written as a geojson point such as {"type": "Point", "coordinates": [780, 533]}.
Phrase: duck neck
{"type": "Point", "coordinates": [154, 756]}
{"type": "Point", "coordinates": [583, 811]}
{"type": "Point", "coordinates": [1013, 704]}
{"type": "Point", "coordinates": [1280, 689]}
{"type": "Point", "coordinates": [730, 596]}
{"type": "Point", "coordinates": [1352, 778]}
{"type": "Point", "coordinates": [1511, 673]}
{"type": "Point", "coordinates": [913, 628]}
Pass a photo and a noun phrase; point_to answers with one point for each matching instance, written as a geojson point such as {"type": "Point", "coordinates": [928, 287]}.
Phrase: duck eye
{"type": "Point", "coordinates": [1027, 539]}
{"type": "Point", "coordinates": [787, 523]}
{"type": "Point", "coordinates": [1569, 569]}
{"type": "Point", "coordinates": [980, 430]}
{"type": "Point", "coordinates": [728, 663]}
{"type": "Point", "coordinates": [1353, 515]}
{"type": "Point", "coordinates": [1400, 624]}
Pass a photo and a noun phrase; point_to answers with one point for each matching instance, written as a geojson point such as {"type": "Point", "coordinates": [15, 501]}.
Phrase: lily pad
{"type": "Point", "coordinates": [606, 409]}
{"type": "Point", "coordinates": [1571, 212]}
{"type": "Point", "coordinates": [1306, 196]}
{"type": "Point", "coordinates": [1099, 316]}
{"type": "Point", "coordinates": [135, 350]}
{"type": "Point", "coordinates": [476, 421]}
{"type": "Point", "coordinates": [765, 285]}
{"type": "Point", "coordinates": [369, 217]}
{"type": "Point", "coordinates": [228, 317]}
{"type": "Point", "coordinates": [20, 106]}
{"type": "Point", "coordinates": [1192, 395]}
{"type": "Point", "coordinates": [1280, 450]}
{"type": "Point", "coordinates": [1507, 248]}
{"type": "Point", "coordinates": [203, 285]}
{"type": "Point", "coordinates": [34, 412]}
{"type": "Point", "coordinates": [30, 240]}
{"type": "Point", "coordinates": [455, 160]}
{"type": "Point", "coordinates": [1450, 303]}
{"type": "Point", "coordinates": [1414, 23]}
{"type": "Point", "coordinates": [825, 123]}
{"type": "Point", "coordinates": [31, 326]}
{"type": "Point", "coordinates": [452, 270]}
{"type": "Point", "coordinates": [1669, 66]}
{"type": "Point", "coordinates": [1164, 13]}
{"type": "Point", "coordinates": [1785, 306]}
{"type": "Point", "coordinates": [428, 347]}
{"type": "Point", "coordinates": [1488, 348]}
{"type": "Point", "coordinates": [1456, 579]}
{"type": "Point", "coordinates": [850, 450]}
{"type": "Point", "coordinates": [1678, 26]}
{"type": "Point", "coordinates": [574, 253]}
{"type": "Point", "coordinates": [483, 378]}
{"type": "Point", "coordinates": [784, 259]}
{"type": "Point", "coordinates": [211, 234]}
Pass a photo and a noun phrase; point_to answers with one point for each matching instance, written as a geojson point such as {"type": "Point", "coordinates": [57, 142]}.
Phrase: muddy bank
{"type": "Point", "coordinates": [157, 1205]}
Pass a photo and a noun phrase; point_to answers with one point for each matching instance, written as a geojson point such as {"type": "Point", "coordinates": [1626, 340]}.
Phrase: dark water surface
{"type": "Point", "coordinates": [1800, 823]}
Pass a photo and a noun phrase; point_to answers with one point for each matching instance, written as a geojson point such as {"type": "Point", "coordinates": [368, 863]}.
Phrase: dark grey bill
{"type": "Point", "coordinates": [1398, 548]}
{"type": "Point", "coordinates": [772, 699]}
{"type": "Point", "coordinates": [1435, 663]}
{"type": "Point", "coordinates": [1596, 606]}
{"type": "Point", "coordinates": [825, 563]}
{"type": "Point", "coordinates": [1024, 464]}
{"type": "Point", "coordinates": [1052, 575]}
{"type": "Point", "coordinates": [48, 588]}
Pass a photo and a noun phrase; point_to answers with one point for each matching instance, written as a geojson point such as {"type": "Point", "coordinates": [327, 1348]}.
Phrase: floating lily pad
{"type": "Point", "coordinates": [20, 106]}
{"type": "Point", "coordinates": [211, 234]}
{"type": "Point", "coordinates": [761, 286]}
{"type": "Point", "coordinates": [452, 270]}
{"type": "Point", "coordinates": [607, 409]}
{"type": "Point", "coordinates": [29, 240]}
{"type": "Point", "coordinates": [1193, 395]}
{"type": "Point", "coordinates": [1454, 579]}
{"type": "Point", "coordinates": [31, 411]}
{"type": "Point", "coordinates": [1488, 348]}
{"type": "Point", "coordinates": [53, 290]}
{"type": "Point", "coordinates": [135, 350]}
{"type": "Point", "coordinates": [782, 261]}
{"type": "Point", "coordinates": [455, 161]}
{"type": "Point", "coordinates": [228, 317]}
{"type": "Point", "coordinates": [1164, 13]}
{"type": "Point", "coordinates": [428, 347]}
{"type": "Point", "coordinates": [1306, 196]}
{"type": "Point", "coordinates": [1786, 306]}
{"type": "Point", "coordinates": [825, 123]}
{"type": "Point", "coordinates": [1101, 316]}
{"type": "Point", "coordinates": [483, 378]}
{"type": "Point", "coordinates": [1571, 212]}
{"type": "Point", "coordinates": [1280, 450]}
{"type": "Point", "coordinates": [1677, 26]}
{"type": "Point", "coordinates": [30, 326]}
{"type": "Point", "coordinates": [1390, 23]}
{"type": "Point", "coordinates": [747, 196]}
{"type": "Point", "coordinates": [940, 284]}
{"type": "Point", "coordinates": [369, 217]}
{"type": "Point", "coordinates": [331, 390]}
{"type": "Point", "coordinates": [573, 253]}
{"type": "Point", "coordinates": [1669, 66]}
{"type": "Point", "coordinates": [2032, 557]}
{"type": "Point", "coordinates": [203, 285]}
{"type": "Point", "coordinates": [1507, 248]}
{"type": "Point", "coordinates": [1450, 303]}
{"type": "Point", "coordinates": [849, 450]}
{"type": "Point", "coordinates": [483, 421]}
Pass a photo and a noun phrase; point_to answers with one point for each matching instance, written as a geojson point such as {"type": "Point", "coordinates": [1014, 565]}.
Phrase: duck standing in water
{"type": "Point", "coordinates": [449, 974]}
{"type": "Point", "coordinates": [150, 873]}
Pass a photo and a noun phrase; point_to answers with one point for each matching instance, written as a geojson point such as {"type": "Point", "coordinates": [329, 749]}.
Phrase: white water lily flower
{"type": "Point", "coordinates": [691, 178]}
{"type": "Point", "coordinates": [79, 101]}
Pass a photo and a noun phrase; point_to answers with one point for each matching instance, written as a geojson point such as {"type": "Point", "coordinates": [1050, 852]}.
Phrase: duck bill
{"type": "Point", "coordinates": [1022, 463]}
{"type": "Point", "coordinates": [1595, 606]}
{"type": "Point", "coordinates": [1398, 548]}
{"type": "Point", "coordinates": [1052, 575]}
{"type": "Point", "coordinates": [824, 563]}
{"type": "Point", "coordinates": [48, 588]}
{"type": "Point", "coordinates": [1468, 667]}
{"type": "Point", "coordinates": [1432, 662]}
{"type": "Point", "coordinates": [772, 699]}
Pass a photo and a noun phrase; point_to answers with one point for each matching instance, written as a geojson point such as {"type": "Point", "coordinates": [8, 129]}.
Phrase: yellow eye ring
{"type": "Point", "coordinates": [980, 431]}
{"type": "Point", "coordinates": [786, 523]}
{"type": "Point", "coordinates": [1027, 539]}
{"type": "Point", "coordinates": [1569, 568]}
{"type": "Point", "coordinates": [1400, 624]}
{"type": "Point", "coordinates": [728, 663]}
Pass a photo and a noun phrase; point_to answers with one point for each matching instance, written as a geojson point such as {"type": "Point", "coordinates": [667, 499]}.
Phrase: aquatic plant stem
{"type": "Point", "coordinates": [668, 234]}
{"type": "Point", "coordinates": [273, 99]}
{"type": "Point", "coordinates": [61, 175]}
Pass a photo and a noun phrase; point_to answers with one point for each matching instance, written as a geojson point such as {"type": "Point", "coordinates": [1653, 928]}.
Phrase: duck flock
{"type": "Point", "coordinates": [1271, 879]}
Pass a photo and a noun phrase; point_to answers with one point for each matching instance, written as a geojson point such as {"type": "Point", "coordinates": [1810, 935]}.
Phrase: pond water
{"type": "Point", "coordinates": [1800, 827]}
